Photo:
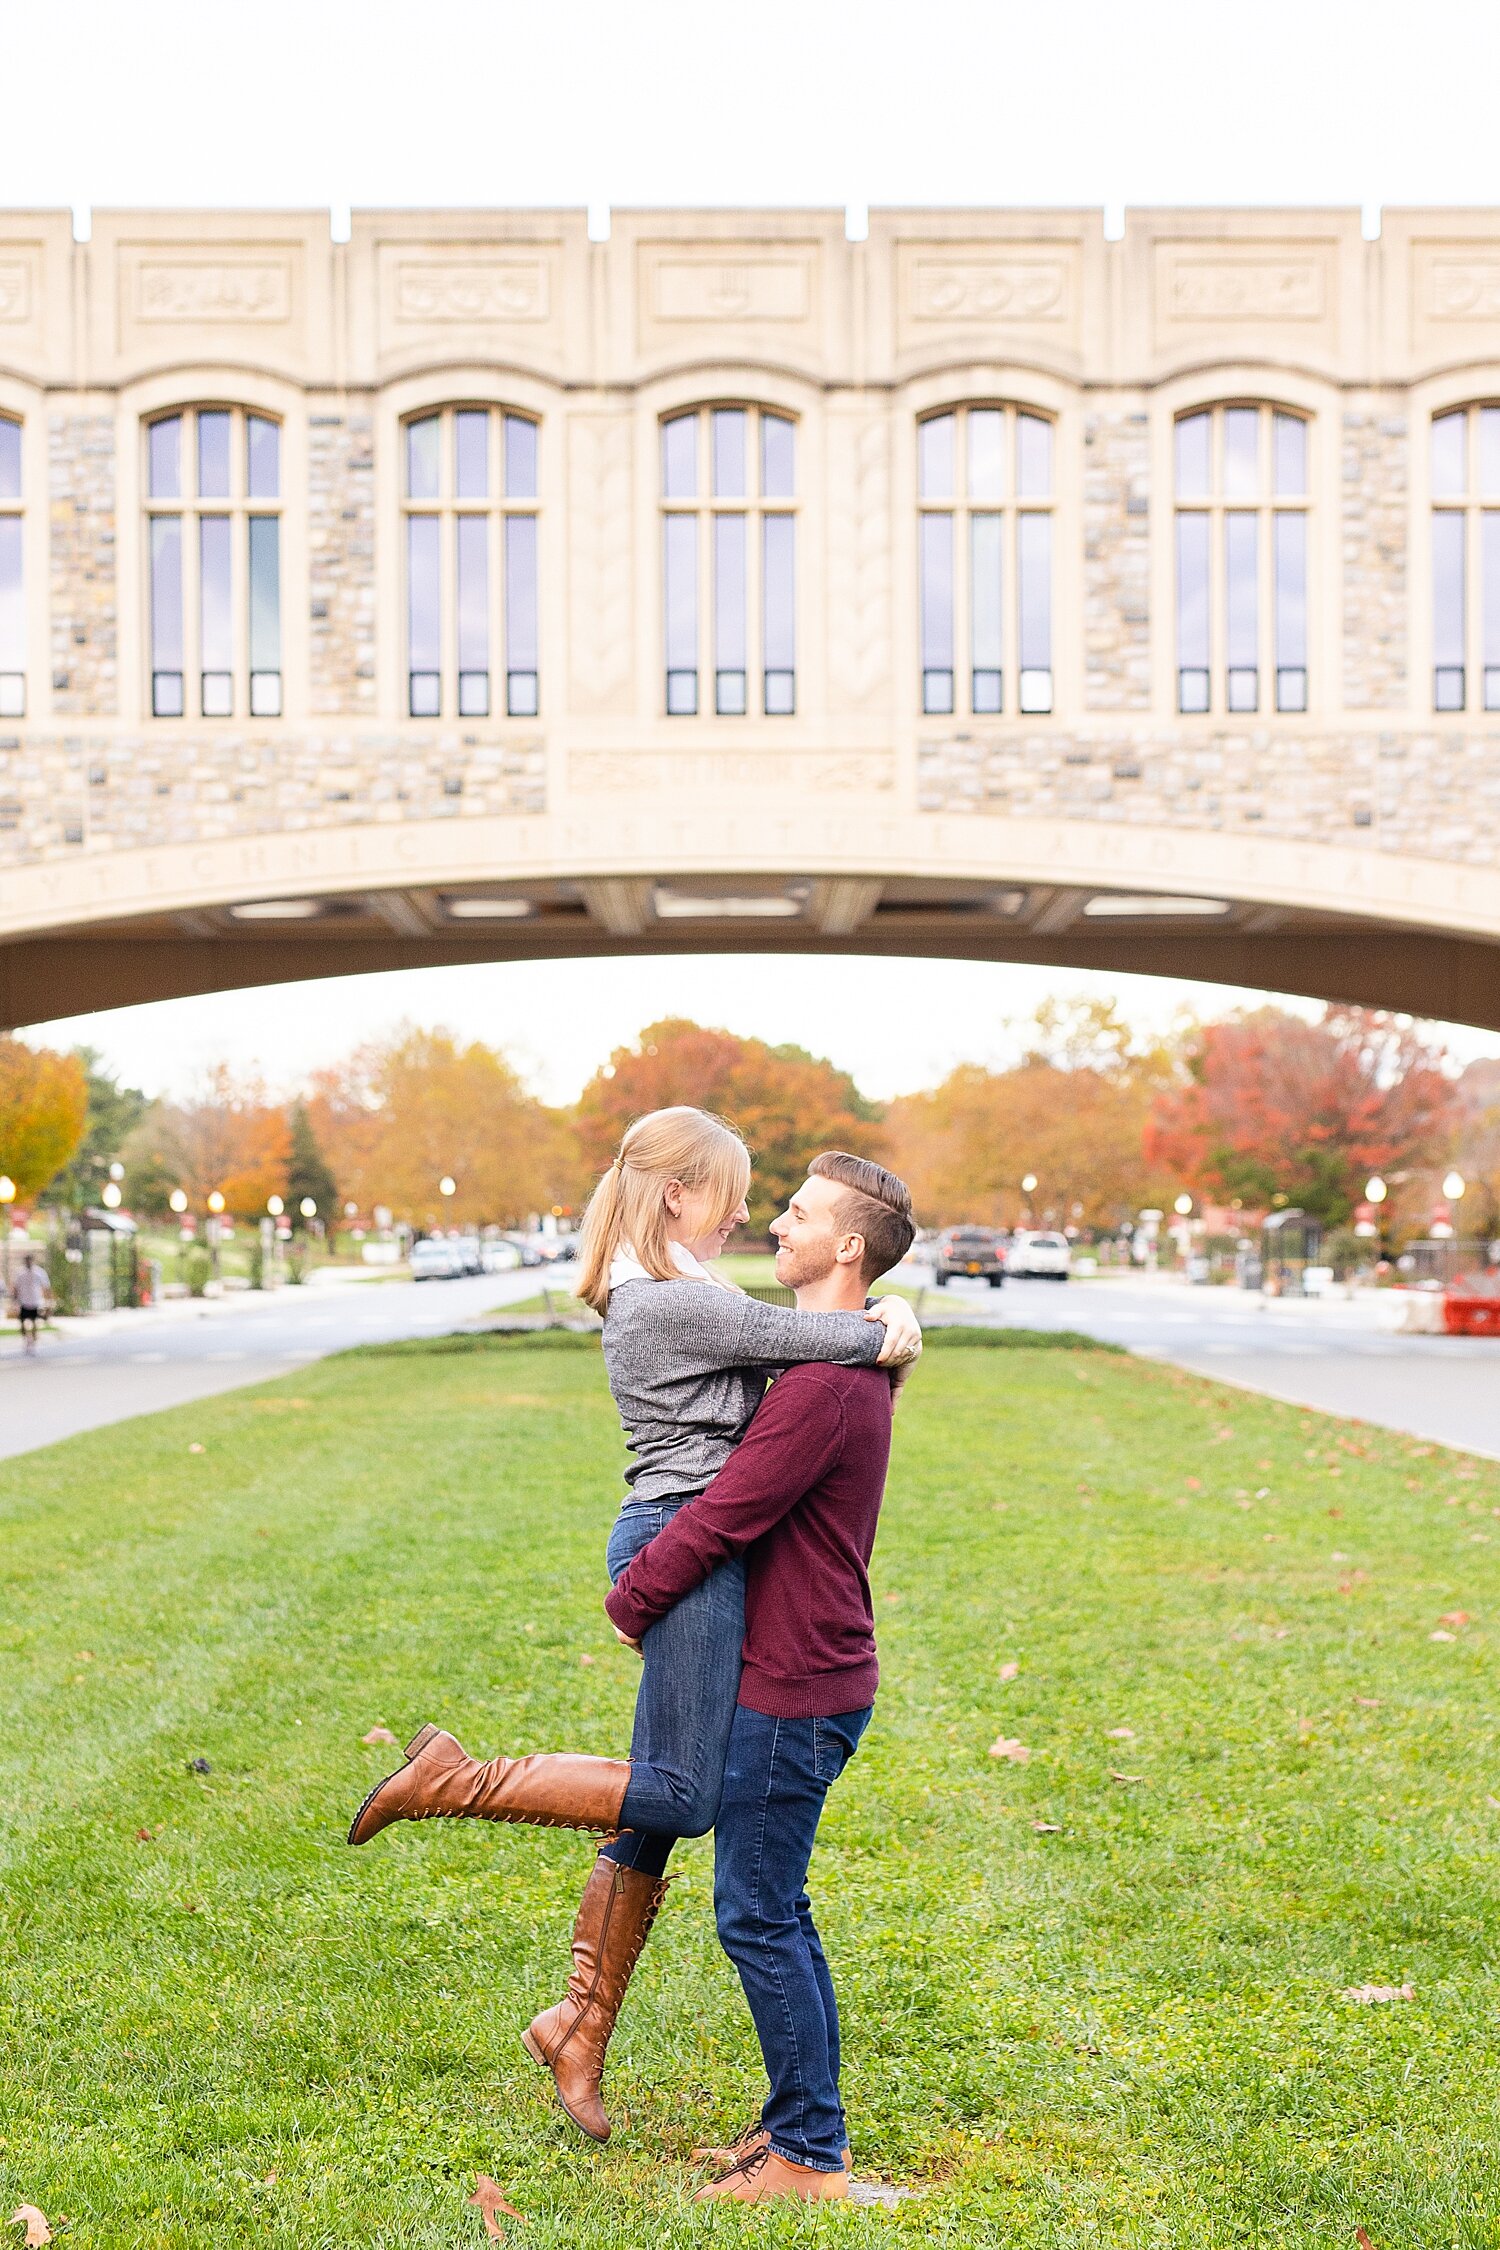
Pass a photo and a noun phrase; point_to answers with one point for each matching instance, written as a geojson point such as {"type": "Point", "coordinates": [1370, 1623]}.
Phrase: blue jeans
{"type": "Point", "coordinates": [684, 1706]}
{"type": "Point", "coordinates": [776, 1777]}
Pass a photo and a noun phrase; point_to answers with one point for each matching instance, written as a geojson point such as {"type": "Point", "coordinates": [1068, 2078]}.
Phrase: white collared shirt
{"type": "Point", "coordinates": [626, 1266]}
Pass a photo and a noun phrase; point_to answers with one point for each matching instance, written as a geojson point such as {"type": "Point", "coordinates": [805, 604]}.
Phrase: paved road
{"type": "Point", "coordinates": [120, 1364]}
{"type": "Point", "coordinates": [1329, 1354]}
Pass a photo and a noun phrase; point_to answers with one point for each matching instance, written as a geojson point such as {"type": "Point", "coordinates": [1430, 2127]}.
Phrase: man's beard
{"type": "Point", "coordinates": [812, 1263]}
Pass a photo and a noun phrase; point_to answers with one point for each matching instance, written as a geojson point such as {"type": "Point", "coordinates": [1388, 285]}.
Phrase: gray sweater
{"type": "Point", "coordinates": [688, 1364]}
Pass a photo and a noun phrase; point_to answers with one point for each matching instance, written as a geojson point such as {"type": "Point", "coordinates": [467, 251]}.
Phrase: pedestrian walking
{"type": "Point", "coordinates": [33, 1294]}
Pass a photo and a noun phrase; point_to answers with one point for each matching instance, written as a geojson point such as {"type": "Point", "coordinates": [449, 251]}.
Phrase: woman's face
{"type": "Point", "coordinates": [695, 1219]}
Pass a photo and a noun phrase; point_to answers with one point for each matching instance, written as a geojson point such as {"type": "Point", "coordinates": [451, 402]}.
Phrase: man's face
{"type": "Point", "coordinates": [807, 1236]}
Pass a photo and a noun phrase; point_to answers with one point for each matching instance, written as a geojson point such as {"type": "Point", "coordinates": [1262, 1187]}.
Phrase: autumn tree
{"type": "Point", "coordinates": [43, 1114]}
{"type": "Point", "coordinates": [228, 1137]}
{"type": "Point", "coordinates": [401, 1114]}
{"type": "Point", "coordinates": [787, 1103]}
{"type": "Point", "coordinates": [1475, 1150]}
{"type": "Point", "coordinates": [1273, 1107]}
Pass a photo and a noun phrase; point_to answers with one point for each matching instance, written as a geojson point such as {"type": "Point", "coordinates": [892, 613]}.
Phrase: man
{"type": "Point", "coordinates": [802, 1494]}
{"type": "Point", "coordinates": [32, 1290]}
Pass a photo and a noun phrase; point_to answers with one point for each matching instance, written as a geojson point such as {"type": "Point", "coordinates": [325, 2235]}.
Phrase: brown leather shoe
{"type": "Point", "coordinates": [728, 2154]}
{"type": "Point", "coordinates": [615, 1915]}
{"type": "Point", "coordinates": [440, 1781]}
{"type": "Point", "coordinates": [761, 2176]}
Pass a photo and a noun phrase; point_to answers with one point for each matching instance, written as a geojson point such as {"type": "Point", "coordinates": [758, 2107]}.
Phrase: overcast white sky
{"type": "Point", "coordinates": [327, 103]}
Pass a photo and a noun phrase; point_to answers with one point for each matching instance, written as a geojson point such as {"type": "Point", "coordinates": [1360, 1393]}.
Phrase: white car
{"type": "Point", "coordinates": [1038, 1257]}
{"type": "Point", "coordinates": [436, 1259]}
{"type": "Point", "coordinates": [501, 1257]}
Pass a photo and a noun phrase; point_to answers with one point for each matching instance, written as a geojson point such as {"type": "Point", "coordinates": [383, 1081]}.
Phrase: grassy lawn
{"type": "Point", "coordinates": [1081, 2008]}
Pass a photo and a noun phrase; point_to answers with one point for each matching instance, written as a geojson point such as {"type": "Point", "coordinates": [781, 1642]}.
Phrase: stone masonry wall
{"type": "Point", "coordinates": [1434, 794]}
{"type": "Point", "coordinates": [81, 482]}
{"type": "Point", "coordinates": [1116, 563]}
{"type": "Point", "coordinates": [341, 548]}
{"type": "Point", "coordinates": [1374, 559]}
{"type": "Point", "coordinates": [59, 793]}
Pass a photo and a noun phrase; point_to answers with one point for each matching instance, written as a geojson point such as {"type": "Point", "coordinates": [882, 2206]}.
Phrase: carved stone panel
{"type": "Point", "coordinates": [23, 303]}
{"type": "Point", "coordinates": [1455, 298]}
{"type": "Point", "coordinates": [976, 292]}
{"type": "Point", "coordinates": [1249, 289]}
{"type": "Point", "coordinates": [233, 295]}
{"type": "Point", "coordinates": [487, 291]}
{"type": "Point", "coordinates": [17, 291]}
{"type": "Point", "coordinates": [600, 560]}
{"type": "Point", "coordinates": [739, 295]}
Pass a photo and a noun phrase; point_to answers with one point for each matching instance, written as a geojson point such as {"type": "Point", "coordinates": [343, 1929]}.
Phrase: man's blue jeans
{"type": "Point", "coordinates": [776, 1777]}
{"type": "Point", "coordinates": [684, 1706]}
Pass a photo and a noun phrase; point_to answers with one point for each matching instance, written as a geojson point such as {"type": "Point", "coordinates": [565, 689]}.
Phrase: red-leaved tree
{"type": "Point", "coordinates": [1276, 1106]}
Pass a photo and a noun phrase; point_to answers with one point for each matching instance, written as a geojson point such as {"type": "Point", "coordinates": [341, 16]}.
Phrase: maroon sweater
{"type": "Point", "coordinates": [802, 1491]}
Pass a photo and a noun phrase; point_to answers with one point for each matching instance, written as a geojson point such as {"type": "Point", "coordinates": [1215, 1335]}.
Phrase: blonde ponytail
{"type": "Point", "coordinates": [629, 1207]}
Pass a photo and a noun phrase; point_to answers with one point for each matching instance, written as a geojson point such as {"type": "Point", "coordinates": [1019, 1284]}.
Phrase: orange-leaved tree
{"type": "Point", "coordinates": [788, 1103]}
{"type": "Point", "coordinates": [402, 1114]}
{"type": "Point", "coordinates": [43, 1114]}
{"type": "Point", "coordinates": [1277, 1109]}
{"type": "Point", "coordinates": [1072, 1112]}
{"type": "Point", "coordinates": [227, 1138]}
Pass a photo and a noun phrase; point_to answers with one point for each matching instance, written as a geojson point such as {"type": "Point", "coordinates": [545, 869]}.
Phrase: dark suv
{"type": "Point", "coordinates": [969, 1250]}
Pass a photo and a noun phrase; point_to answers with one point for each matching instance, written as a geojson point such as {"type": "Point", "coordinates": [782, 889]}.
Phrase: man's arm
{"type": "Point", "coordinates": [795, 1438]}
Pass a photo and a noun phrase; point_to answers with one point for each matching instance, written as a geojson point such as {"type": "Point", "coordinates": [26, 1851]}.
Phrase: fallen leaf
{"type": "Point", "coordinates": [84, 1656]}
{"type": "Point", "coordinates": [1493, 1803]}
{"type": "Point", "coordinates": [1370, 1702]}
{"type": "Point", "coordinates": [1047, 1827]}
{"type": "Point", "coordinates": [269, 2180]}
{"type": "Point", "coordinates": [37, 2229]}
{"type": "Point", "coordinates": [195, 1449]}
{"type": "Point", "coordinates": [1125, 1776]}
{"type": "Point", "coordinates": [1193, 1484]}
{"type": "Point", "coordinates": [1004, 1746]}
{"type": "Point", "coordinates": [1335, 1511]}
{"type": "Point", "coordinates": [491, 2201]}
{"type": "Point", "coordinates": [1010, 1670]}
{"type": "Point", "coordinates": [1120, 1734]}
{"type": "Point", "coordinates": [378, 1734]}
{"type": "Point", "coordinates": [1363, 2239]}
{"type": "Point", "coordinates": [892, 1598]}
{"type": "Point", "coordinates": [1374, 1995]}
{"type": "Point", "coordinates": [585, 1659]}
{"type": "Point", "coordinates": [145, 1835]}
{"type": "Point", "coordinates": [1457, 1618]}
{"type": "Point", "coordinates": [1440, 1635]}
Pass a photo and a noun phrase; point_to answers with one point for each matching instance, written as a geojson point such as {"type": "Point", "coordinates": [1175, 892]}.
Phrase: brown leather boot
{"type": "Point", "coordinates": [727, 2154]}
{"type": "Point", "coordinates": [761, 2176]}
{"type": "Point", "coordinates": [615, 1915]}
{"type": "Point", "coordinates": [440, 1781]}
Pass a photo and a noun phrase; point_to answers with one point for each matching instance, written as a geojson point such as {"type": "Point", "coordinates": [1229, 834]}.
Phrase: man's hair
{"type": "Point", "coordinates": [876, 1204]}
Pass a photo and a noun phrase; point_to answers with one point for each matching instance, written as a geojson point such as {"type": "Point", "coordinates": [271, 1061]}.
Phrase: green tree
{"type": "Point", "coordinates": [308, 1175]}
{"type": "Point", "coordinates": [114, 1112]}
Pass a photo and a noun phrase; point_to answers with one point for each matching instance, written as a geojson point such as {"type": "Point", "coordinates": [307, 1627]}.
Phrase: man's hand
{"type": "Point", "coordinates": [903, 1333]}
{"type": "Point", "coordinates": [627, 1642]}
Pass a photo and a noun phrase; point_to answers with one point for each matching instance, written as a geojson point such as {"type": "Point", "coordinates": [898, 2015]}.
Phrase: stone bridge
{"type": "Point", "coordinates": [985, 588]}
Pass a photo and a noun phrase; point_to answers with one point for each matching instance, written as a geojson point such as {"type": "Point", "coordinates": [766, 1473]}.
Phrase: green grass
{"type": "Point", "coordinates": [232, 2030]}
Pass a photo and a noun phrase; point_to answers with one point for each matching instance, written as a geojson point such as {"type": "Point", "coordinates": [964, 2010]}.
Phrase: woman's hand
{"type": "Point", "coordinates": [628, 1642]}
{"type": "Point", "coordinates": [903, 1332]}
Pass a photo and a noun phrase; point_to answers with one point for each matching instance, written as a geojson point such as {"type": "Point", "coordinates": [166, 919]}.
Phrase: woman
{"type": "Point", "coordinates": [688, 1357]}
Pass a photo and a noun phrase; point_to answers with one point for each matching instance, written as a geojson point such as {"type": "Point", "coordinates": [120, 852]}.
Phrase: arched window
{"type": "Point", "coordinates": [728, 486]}
{"type": "Point", "coordinates": [1241, 530]}
{"type": "Point", "coordinates": [1466, 559]}
{"type": "Point", "coordinates": [985, 493]}
{"type": "Point", "coordinates": [213, 521]}
{"type": "Point", "coordinates": [470, 502]}
{"type": "Point", "coordinates": [12, 581]}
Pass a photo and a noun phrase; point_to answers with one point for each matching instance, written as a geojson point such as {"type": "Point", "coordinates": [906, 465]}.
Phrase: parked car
{"type": "Point", "coordinates": [1039, 1257]}
{"type": "Point", "coordinates": [501, 1257]}
{"type": "Point", "coordinates": [436, 1259]}
{"type": "Point", "coordinates": [470, 1254]}
{"type": "Point", "coordinates": [969, 1250]}
{"type": "Point", "coordinates": [526, 1248]}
